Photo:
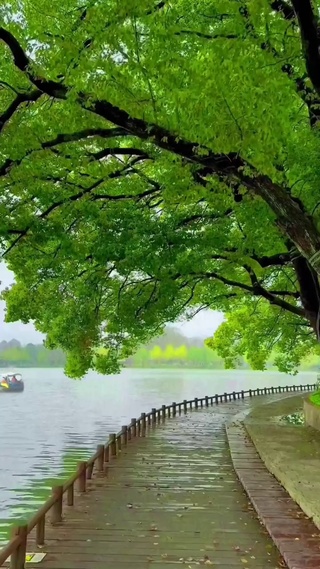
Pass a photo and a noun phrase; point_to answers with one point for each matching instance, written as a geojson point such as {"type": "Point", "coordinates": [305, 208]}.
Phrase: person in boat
{"type": "Point", "coordinates": [13, 379]}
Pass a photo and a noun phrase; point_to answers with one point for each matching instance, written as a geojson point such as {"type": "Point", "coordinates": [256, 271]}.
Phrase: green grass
{"type": "Point", "coordinates": [315, 398]}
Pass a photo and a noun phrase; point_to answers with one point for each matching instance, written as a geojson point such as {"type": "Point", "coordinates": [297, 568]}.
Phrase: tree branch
{"type": "Point", "coordinates": [63, 139]}
{"type": "Point", "coordinates": [308, 23]}
{"type": "Point", "coordinates": [258, 290]}
{"type": "Point", "coordinates": [273, 260]}
{"type": "Point", "coordinates": [85, 191]}
{"type": "Point", "coordinates": [203, 216]}
{"type": "Point", "coordinates": [207, 36]}
{"type": "Point", "coordinates": [21, 98]}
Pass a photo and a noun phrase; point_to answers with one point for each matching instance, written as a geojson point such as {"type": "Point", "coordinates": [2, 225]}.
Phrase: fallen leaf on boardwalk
{"type": "Point", "coordinates": [129, 506]}
{"type": "Point", "coordinates": [208, 562]}
{"type": "Point", "coordinates": [179, 515]}
{"type": "Point", "coordinates": [237, 548]}
{"type": "Point", "coordinates": [164, 555]}
{"type": "Point", "coordinates": [244, 561]}
{"type": "Point", "coordinates": [153, 528]}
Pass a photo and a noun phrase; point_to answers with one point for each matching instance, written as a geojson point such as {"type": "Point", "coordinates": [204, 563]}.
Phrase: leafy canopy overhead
{"type": "Point", "coordinates": [157, 158]}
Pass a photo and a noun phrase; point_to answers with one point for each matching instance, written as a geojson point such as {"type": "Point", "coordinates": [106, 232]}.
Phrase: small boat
{"type": "Point", "coordinates": [11, 383]}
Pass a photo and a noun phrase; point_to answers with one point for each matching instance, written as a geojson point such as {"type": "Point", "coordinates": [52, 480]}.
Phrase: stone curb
{"type": "Point", "coordinates": [294, 534]}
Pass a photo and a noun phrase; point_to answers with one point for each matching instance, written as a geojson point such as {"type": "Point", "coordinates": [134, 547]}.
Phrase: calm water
{"type": "Point", "coordinates": [55, 422]}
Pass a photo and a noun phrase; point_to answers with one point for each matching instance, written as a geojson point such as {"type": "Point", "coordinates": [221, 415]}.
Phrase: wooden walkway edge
{"type": "Point", "coordinates": [294, 534]}
{"type": "Point", "coordinates": [179, 477]}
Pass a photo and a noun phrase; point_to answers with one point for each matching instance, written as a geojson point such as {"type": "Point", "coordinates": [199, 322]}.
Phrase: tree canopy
{"type": "Point", "coordinates": [157, 158]}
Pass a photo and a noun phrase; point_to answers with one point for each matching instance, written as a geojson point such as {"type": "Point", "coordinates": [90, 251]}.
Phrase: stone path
{"type": "Point", "coordinates": [171, 499]}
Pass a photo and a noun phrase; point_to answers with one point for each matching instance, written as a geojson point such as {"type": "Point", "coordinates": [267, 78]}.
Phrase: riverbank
{"type": "Point", "coordinates": [290, 452]}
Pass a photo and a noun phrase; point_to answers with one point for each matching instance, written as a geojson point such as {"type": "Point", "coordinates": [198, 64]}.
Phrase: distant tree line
{"type": "Point", "coordinates": [181, 356]}
{"type": "Point", "coordinates": [174, 349]}
{"type": "Point", "coordinates": [13, 354]}
{"type": "Point", "coordinates": [171, 349]}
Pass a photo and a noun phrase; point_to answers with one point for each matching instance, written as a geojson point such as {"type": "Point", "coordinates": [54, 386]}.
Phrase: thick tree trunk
{"type": "Point", "coordinates": [291, 219]}
{"type": "Point", "coordinates": [309, 291]}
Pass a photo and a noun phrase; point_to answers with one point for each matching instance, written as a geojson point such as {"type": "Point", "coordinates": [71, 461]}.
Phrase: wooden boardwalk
{"type": "Point", "coordinates": [172, 498]}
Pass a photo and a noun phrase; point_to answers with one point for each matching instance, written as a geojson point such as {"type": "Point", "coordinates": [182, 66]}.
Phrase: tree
{"type": "Point", "coordinates": [156, 353]}
{"type": "Point", "coordinates": [170, 353]}
{"type": "Point", "coordinates": [141, 357]}
{"type": "Point", "coordinates": [181, 353]}
{"type": "Point", "coordinates": [158, 158]}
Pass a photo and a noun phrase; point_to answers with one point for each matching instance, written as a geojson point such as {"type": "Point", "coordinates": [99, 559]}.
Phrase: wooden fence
{"type": "Point", "coordinates": [64, 494]}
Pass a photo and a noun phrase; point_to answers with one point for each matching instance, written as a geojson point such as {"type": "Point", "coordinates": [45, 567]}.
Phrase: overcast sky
{"type": "Point", "coordinates": [202, 325]}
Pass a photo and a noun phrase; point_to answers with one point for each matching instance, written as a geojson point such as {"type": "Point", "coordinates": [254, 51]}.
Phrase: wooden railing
{"type": "Point", "coordinates": [64, 494]}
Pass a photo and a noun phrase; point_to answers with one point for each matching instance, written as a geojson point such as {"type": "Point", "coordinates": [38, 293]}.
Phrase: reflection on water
{"type": "Point", "coordinates": [56, 422]}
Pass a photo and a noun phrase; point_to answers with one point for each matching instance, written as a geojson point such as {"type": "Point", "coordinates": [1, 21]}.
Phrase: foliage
{"type": "Point", "coordinates": [294, 418]}
{"type": "Point", "coordinates": [157, 158]}
{"type": "Point", "coordinates": [315, 398]}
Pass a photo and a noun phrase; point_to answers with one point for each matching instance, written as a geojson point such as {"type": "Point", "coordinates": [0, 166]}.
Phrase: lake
{"type": "Point", "coordinates": [57, 421]}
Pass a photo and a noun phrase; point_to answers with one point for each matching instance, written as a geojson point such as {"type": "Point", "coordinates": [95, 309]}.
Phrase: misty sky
{"type": "Point", "coordinates": [203, 324]}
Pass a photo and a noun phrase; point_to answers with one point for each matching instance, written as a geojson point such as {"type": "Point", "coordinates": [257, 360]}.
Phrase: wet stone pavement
{"type": "Point", "coordinates": [171, 499]}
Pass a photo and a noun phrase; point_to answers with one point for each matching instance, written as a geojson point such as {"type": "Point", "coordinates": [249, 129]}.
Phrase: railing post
{"type": "Point", "coordinates": [234, 395]}
{"type": "Point", "coordinates": [242, 394]}
{"type": "Point", "coordinates": [70, 495]}
{"type": "Point", "coordinates": [225, 396]}
{"type": "Point", "coordinates": [56, 511]}
{"type": "Point", "coordinates": [124, 435]}
{"type": "Point", "coordinates": [134, 427]}
{"type": "Point", "coordinates": [216, 399]}
{"type": "Point", "coordinates": [112, 445]}
{"type": "Point", "coordinates": [159, 416]}
{"type": "Point", "coordinates": [118, 443]}
{"type": "Point", "coordinates": [207, 400]}
{"type": "Point", "coordinates": [106, 457]}
{"type": "Point", "coordinates": [82, 480]}
{"type": "Point", "coordinates": [185, 406]}
{"type": "Point", "coordinates": [258, 391]}
{"type": "Point", "coordinates": [201, 403]}
{"type": "Point", "coordinates": [250, 392]}
{"type": "Point", "coordinates": [180, 408]}
{"type": "Point", "coordinates": [154, 416]}
{"type": "Point", "coordinates": [174, 409]}
{"type": "Point", "coordinates": [163, 413]}
{"type": "Point", "coordinates": [18, 557]}
{"type": "Point", "coordinates": [169, 411]}
{"type": "Point", "coordinates": [196, 402]}
{"type": "Point", "coordinates": [100, 459]}
{"type": "Point", "coordinates": [143, 424]}
{"type": "Point", "coordinates": [40, 531]}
